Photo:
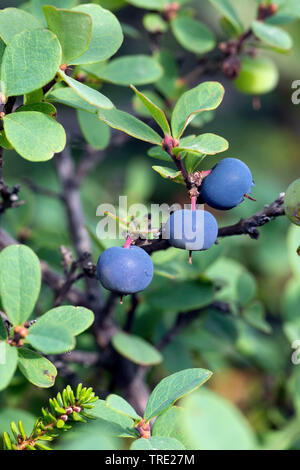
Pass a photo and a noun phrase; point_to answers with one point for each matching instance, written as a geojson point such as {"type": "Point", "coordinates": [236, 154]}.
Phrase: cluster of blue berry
{"type": "Point", "coordinates": [129, 269]}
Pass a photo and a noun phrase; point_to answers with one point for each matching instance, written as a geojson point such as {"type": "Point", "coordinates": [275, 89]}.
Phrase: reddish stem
{"type": "Point", "coordinates": [194, 203]}
{"type": "Point", "coordinates": [128, 242]}
{"type": "Point", "coordinates": [249, 197]}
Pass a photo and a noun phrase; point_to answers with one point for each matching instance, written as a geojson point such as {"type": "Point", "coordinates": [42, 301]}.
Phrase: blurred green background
{"type": "Point", "coordinates": [251, 362]}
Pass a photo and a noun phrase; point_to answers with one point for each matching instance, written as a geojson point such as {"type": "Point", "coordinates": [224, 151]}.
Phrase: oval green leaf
{"type": "Point", "coordinates": [206, 422]}
{"type": "Point", "coordinates": [275, 37]}
{"type": "Point", "coordinates": [135, 69]}
{"type": "Point", "coordinates": [130, 125]}
{"type": "Point", "coordinates": [107, 35]}
{"type": "Point", "coordinates": [8, 363]}
{"type": "Point", "coordinates": [35, 136]}
{"type": "Point", "coordinates": [205, 144]}
{"type": "Point", "coordinates": [63, 23]}
{"type": "Point", "coordinates": [170, 389]}
{"type": "Point", "coordinates": [30, 61]}
{"type": "Point", "coordinates": [193, 35]}
{"type": "Point", "coordinates": [14, 20]}
{"type": "Point", "coordinates": [227, 10]}
{"type": "Point", "coordinates": [155, 111]}
{"type": "Point", "coordinates": [50, 338]}
{"type": "Point", "coordinates": [136, 349]}
{"type": "Point", "coordinates": [90, 95]}
{"type": "Point", "coordinates": [118, 404]}
{"type": "Point", "coordinates": [20, 282]}
{"type": "Point", "coordinates": [74, 319]}
{"type": "Point", "coordinates": [68, 97]}
{"type": "Point", "coordinates": [36, 368]}
{"type": "Point", "coordinates": [205, 97]}
{"type": "Point", "coordinates": [95, 132]}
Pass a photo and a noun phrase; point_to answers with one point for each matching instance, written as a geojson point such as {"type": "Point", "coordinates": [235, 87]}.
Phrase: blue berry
{"type": "Point", "coordinates": [191, 230]}
{"type": "Point", "coordinates": [125, 270]}
{"type": "Point", "coordinates": [227, 184]}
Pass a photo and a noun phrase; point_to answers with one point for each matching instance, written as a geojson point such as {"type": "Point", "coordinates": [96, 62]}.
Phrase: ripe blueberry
{"type": "Point", "coordinates": [191, 230]}
{"type": "Point", "coordinates": [257, 76]}
{"type": "Point", "coordinates": [227, 184]}
{"type": "Point", "coordinates": [125, 270]}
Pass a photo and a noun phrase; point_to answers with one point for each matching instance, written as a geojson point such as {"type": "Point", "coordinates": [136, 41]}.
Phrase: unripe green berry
{"type": "Point", "coordinates": [292, 202]}
{"type": "Point", "coordinates": [257, 76]}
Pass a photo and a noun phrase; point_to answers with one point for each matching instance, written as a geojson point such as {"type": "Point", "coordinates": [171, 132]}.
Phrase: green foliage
{"type": "Point", "coordinates": [127, 70]}
{"type": "Point", "coordinates": [67, 407]}
{"type": "Point", "coordinates": [273, 36]}
{"type": "Point", "coordinates": [14, 21]}
{"type": "Point", "coordinates": [35, 135]}
{"type": "Point", "coordinates": [193, 35]}
{"type": "Point", "coordinates": [136, 349]}
{"type": "Point", "coordinates": [292, 202]}
{"type": "Point", "coordinates": [170, 389]}
{"type": "Point", "coordinates": [63, 23]}
{"type": "Point", "coordinates": [52, 333]}
{"type": "Point", "coordinates": [30, 61]}
{"type": "Point", "coordinates": [157, 443]}
{"type": "Point", "coordinates": [106, 37]}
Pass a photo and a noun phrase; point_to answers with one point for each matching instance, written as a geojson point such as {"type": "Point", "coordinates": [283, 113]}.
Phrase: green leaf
{"type": "Point", "coordinates": [157, 113]}
{"type": "Point", "coordinates": [95, 132]}
{"type": "Point", "coordinates": [42, 107]}
{"type": "Point", "coordinates": [30, 61]}
{"type": "Point", "coordinates": [157, 443]}
{"type": "Point", "coordinates": [159, 153]}
{"type": "Point", "coordinates": [123, 425]}
{"type": "Point", "coordinates": [130, 125]}
{"type": "Point", "coordinates": [204, 97]}
{"type": "Point", "coordinates": [35, 136]}
{"type": "Point", "coordinates": [4, 142]}
{"type": "Point", "coordinates": [154, 4]}
{"type": "Point", "coordinates": [20, 282]}
{"type": "Point", "coordinates": [193, 35]}
{"type": "Point", "coordinates": [13, 21]}
{"type": "Point", "coordinates": [186, 296]}
{"type": "Point", "coordinates": [288, 11]}
{"type": "Point", "coordinates": [275, 37]}
{"type": "Point", "coordinates": [107, 35]}
{"type": "Point", "coordinates": [36, 6]}
{"type": "Point", "coordinates": [205, 144]}
{"type": "Point", "coordinates": [7, 415]}
{"type": "Point", "coordinates": [135, 69]}
{"type": "Point", "coordinates": [226, 9]}
{"type": "Point", "coordinates": [64, 23]}
{"type": "Point", "coordinates": [3, 330]}
{"type": "Point", "coordinates": [207, 419]}
{"type": "Point", "coordinates": [171, 388]}
{"type": "Point", "coordinates": [50, 338]}
{"type": "Point", "coordinates": [136, 349]}
{"type": "Point", "coordinates": [120, 405]}
{"type": "Point", "coordinates": [169, 424]}
{"type": "Point", "coordinates": [74, 319]}
{"type": "Point", "coordinates": [155, 23]}
{"type": "Point", "coordinates": [8, 363]}
{"type": "Point", "coordinates": [91, 96]}
{"type": "Point", "coordinates": [168, 84]}
{"type": "Point", "coordinates": [36, 368]}
{"type": "Point", "coordinates": [255, 316]}
{"type": "Point", "coordinates": [169, 174]}
{"type": "Point", "coordinates": [67, 96]}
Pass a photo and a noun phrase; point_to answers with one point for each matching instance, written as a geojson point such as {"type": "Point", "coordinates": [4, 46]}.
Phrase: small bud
{"type": "Point", "coordinates": [231, 67]}
{"type": "Point", "coordinates": [77, 409]}
{"type": "Point", "coordinates": [64, 418]}
{"type": "Point", "coordinates": [21, 343]}
{"type": "Point", "coordinates": [69, 410]}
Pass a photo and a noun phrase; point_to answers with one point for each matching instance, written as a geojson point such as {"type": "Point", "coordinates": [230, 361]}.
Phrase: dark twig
{"type": "Point", "coordinates": [131, 313]}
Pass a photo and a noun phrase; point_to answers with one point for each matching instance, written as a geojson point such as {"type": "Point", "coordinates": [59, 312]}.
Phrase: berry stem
{"type": "Point", "coordinates": [128, 242]}
{"type": "Point", "coordinates": [194, 203]}
{"type": "Point", "coordinates": [249, 197]}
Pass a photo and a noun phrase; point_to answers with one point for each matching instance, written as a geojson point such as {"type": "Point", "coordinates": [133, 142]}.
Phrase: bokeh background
{"type": "Point", "coordinates": [251, 363]}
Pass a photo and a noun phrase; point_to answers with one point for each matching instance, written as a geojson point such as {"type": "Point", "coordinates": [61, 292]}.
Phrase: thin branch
{"type": "Point", "coordinates": [131, 314]}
